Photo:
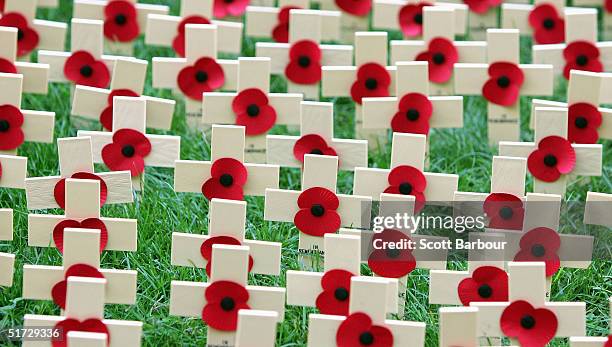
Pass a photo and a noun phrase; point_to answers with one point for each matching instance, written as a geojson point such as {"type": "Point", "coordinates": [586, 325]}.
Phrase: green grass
{"type": "Point", "coordinates": [160, 211]}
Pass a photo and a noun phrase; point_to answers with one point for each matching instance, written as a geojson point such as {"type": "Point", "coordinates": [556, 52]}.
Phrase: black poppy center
{"type": "Point", "coordinates": [317, 210]}
{"type": "Point", "coordinates": [366, 338]}
{"type": "Point", "coordinates": [550, 160]}
{"type": "Point", "coordinates": [227, 303]}
{"type": "Point", "coordinates": [341, 294]}
{"type": "Point", "coordinates": [228, 1]}
{"type": "Point", "coordinates": [120, 19]}
{"type": "Point", "coordinates": [412, 114]}
{"type": "Point", "coordinates": [304, 61]}
{"type": "Point", "coordinates": [128, 151]}
{"type": "Point", "coordinates": [316, 151]}
{"type": "Point", "coordinates": [201, 76]}
{"type": "Point", "coordinates": [485, 291]}
{"type": "Point", "coordinates": [582, 60]}
{"type": "Point", "coordinates": [392, 253]}
{"type": "Point", "coordinates": [371, 83]}
{"type": "Point", "coordinates": [226, 180]}
{"type": "Point", "coordinates": [581, 122]}
{"type": "Point", "coordinates": [405, 188]}
{"type": "Point", "coordinates": [4, 126]}
{"type": "Point", "coordinates": [506, 212]}
{"type": "Point", "coordinates": [252, 110]}
{"type": "Point", "coordinates": [538, 250]}
{"type": "Point", "coordinates": [503, 82]}
{"type": "Point", "coordinates": [548, 23]}
{"type": "Point", "coordinates": [20, 34]}
{"type": "Point", "coordinates": [86, 71]}
{"type": "Point", "coordinates": [438, 58]}
{"type": "Point", "coordinates": [418, 18]}
{"type": "Point", "coordinates": [527, 321]}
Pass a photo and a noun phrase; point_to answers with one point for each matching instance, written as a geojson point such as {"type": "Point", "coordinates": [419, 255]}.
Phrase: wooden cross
{"type": "Point", "coordinates": [305, 28]}
{"type": "Point", "coordinates": [256, 328]}
{"type": "Point", "coordinates": [606, 15]}
{"type": "Point", "coordinates": [458, 326]}
{"type": "Point", "coordinates": [499, 88]}
{"type": "Point", "coordinates": [482, 16]}
{"type": "Point", "coordinates": [226, 219]}
{"type": "Point", "coordinates": [368, 297]}
{"type": "Point", "coordinates": [128, 79]}
{"type": "Point", "coordinates": [14, 171]}
{"type": "Point", "coordinates": [35, 76]}
{"type": "Point", "coordinates": [230, 264]}
{"type": "Point", "coordinates": [129, 119]}
{"type": "Point", "coordinates": [596, 209]}
{"type": "Point", "coordinates": [7, 261]}
{"type": "Point", "coordinates": [316, 120]}
{"type": "Point", "coordinates": [253, 78]}
{"type": "Point", "coordinates": [18, 125]}
{"type": "Point", "coordinates": [575, 341]}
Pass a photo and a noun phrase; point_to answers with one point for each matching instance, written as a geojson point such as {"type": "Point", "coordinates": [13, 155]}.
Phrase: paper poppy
{"type": "Point", "coordinates": [121, 21]}
{"type": "Point", "coordinates": [178, 43]}
{"type": "Point", "coordinates": [504, 84]}
{"type": "Point", "coordinates": [59, 191]}
{"type": "Point", "coordinates": [11, 134]}
{"type": "Point", "coordinates": [373, 80]}
{"type": "Point", "coordinates": [392, 263]}
{"type": "Point", "coordinates": [67, 325]}
{"type": "Point", "coordinates": [106, 117]}
{"type": "Point", "coordinates": [253, 111]}
{"type": "Point", "coordinates": [547, 25]}
{"type": "Point", "coordinates": [530, 326]}
{"type": "Point", "coordinates": [608, 8]}
{"type": "Point", "coordinates": [583, 56]}
{"type": "Point", "coordinates": [505, 211]}
{"type": "Point", "coordinates": [58, 292]}
{"type": "Point", "coordinates": [413, 114]}
{"type": "Point", "coordinates": [335, 297]}
{"type": "Point", "coordinates": [311, 144]}
{"type": "Point", "coordinates": [223, 301]}
{"type": "Point", "coordinates": [6, 66]}
{"type": "Point", "coordinates": [541, 244]}
{"type": "Point", "coordinates": [318, 213]}
{"type": "Point", "coordinates": [280, 32]}
{"type": "Point", "coordinates": [488, 283]}
{"type": "Point", "coordinates": [224, 8]}
{"type": "Point", "coordinates": [205, 75]}
{"type": "Point", "coordinates": [408, 180]}
{"type": "Point", "coordinates": [227, 179]}
{"type": "Point", "coordinates": [357, 330]}
{"type": "Point", "coordinates": [304, 65]}
{"type": "Point", "coordinates": [82, 68]}
{"type": "Point", "coordinates": [27, 37]}
{"type": "Point", "coordinates": [207, 247]}
{"type": "Point", "coordinates": [410, 19]}
{"type": "Point", "coordinates": [359, 8]}
{"type": "Point", "coordinates": [127, 151]}
{"type": "Point", "coordinates": [481, 6]}
{"type": "Point", "coordinates": [89, 223]}
{"type": "Point", "coordinates": [553, 157]}
{"type": "Point", "coordinates": [583, 120]}
{"type": "Point", "coordinates": [441, 56]}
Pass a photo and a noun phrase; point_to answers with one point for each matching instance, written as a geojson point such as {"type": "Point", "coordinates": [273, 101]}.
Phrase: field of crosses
{"type": "Point", "coordinates": [196, 172]}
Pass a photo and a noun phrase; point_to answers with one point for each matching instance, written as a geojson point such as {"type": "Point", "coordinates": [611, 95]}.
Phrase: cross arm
{"type": "Point", "coordinates": [331, 55]}
{"type": "Point", "coordinates": [166, 71]}
{"type": "Point", "coordinates": [587, 341]}
{"type": "Point", "coordinates": [447, 112]}
{"type": "Point", "coordinates": [51, 35]}
{"type": "Point", "coordinates": [6, 224]}
{"type": "Point", "coordinates": [14, 171]}
{"type": "Point", "coordinates": [35, 77]}
{"type": "Point", "coordinates": [336, 81]}
{"type": "Point", "coordinates": [38, 126]}
{"type": "Point", "coordinates": [57, 59]}
{"type": "Point", "coordinates": [468, 51]}
{"type": "Point", "coordinates": [7, 265]}
{"type": "Point", "coordinates": [383, 10]}
{"type": "Point", "coordinates": [260, 21]}
{"type": "Point", "coordinates": [597, 209]}
{"type": "Point", "coordinates": [217, 108]}
{"type": "Point", "coordinates": [94, 9]}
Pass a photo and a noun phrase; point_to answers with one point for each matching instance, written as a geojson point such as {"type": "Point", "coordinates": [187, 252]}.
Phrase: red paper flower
{"type": "Point", "coordinates": [583, 56]}
{"type": "Point", "coordinates": [11, 120]}
{"type": "Point", "coordinates": [584, 120]}
{"type": "Point", "coordinates": [414, 112]}
{"type": "Point", "coordinates": [504, 84]}
{"type": "Point", "coordinates": [224, 8]}
{"type": "Point", "coordinates": [548, 27]}
{"type": "Point", "coordinates": [205, 75]}
{"type": "Point", "coordinates": [121, 22]}
{"type": "Point", "coordinates": [253, 111]}
{"type": "Point", "coordinates": [553, 157]}
{"type": "Point", "coordinates": [58, 292]}
{"type": "Point", "coordinates": [530, 326]}
{"type": "Point", "coordinates": [280, 32]}
{"type": "Point", "coordinates": [91, 325]}
{"type": "Point", "coordinates": [223, 301]}
{"type": "Point", "coordinates": [6, 66]}
{"type": "Point", "coordinates": [227, 179]}
{"type": "Point", "coordinates": [127, 151]}
{"type": "Point", "coordinates": [334, 299]}
{"type": "Point", "coordinates": [82, 68]}
{"type": "Point", "coordinates": [505, 211]}
{"type": "Point", "coordinates": [541, 244]}
{"type": "Point", "coordinates": [608, 8]}
{"type": "Point", "coordinates": [488, 283]}
{"type": "Point", "coordinates": [441, 56]}
{"type": "Point", "coordinates": [357, 330]}
{"type": "Point", "coordinates": [317, 215]}
{"type": "Point", "coordinates": [373, 81]}
{"type": "Point", "coordinates": [408, 180]}
{"type": "Point", "coordinates": [392, 263]}
{"type": "Point", "coordinates": [609, 342]}
{"type": "Point", "coordinates": [59, 191]}
{"type": "Point", "coordinates": [411, 19]}
{"type": "Point", "coordinates": [106, 117]}
{"type": "Point", "coordinates": [359, 8]}
{"type": "Point", "coordinates": [311, 144]}
{"type": "Point", "coordinates": [27, 37]}
{"type": "Point", "coordinates": [481, 6]}
{"type": "Point", "coordinates": [207, 247]}
{"type": "Point", "coordinates": [89, 223]}
{"type": "Point", "coordinates": [178, 43]}
{"type": "Point", "coordinates": [304, 63]}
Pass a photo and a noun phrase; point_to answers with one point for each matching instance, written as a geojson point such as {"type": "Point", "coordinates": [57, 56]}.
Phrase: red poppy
{"type": "Point", "coordinates": [253, 111]}
{"type": "Point", "coordinates": [59, 191]}
{"type": "Point", "coordinates": [553, 157]}
{"type": "Point", "coordinates": [207, 247]}
{"type": "Point", "coordinates": [530, 326]}
{"type": "Point", "coordinates": [411, 19]}
{"type": "Point", "coordinates": [205, 75]}
{"type": "Point", "coordinates": [58, 292]}
{"type": "Point", "coordinates": [609, 341]}
{"type": "Point", "coordinates": [583, 56]}
{"type": "Point", "coordinates": [608, 7]}
{"type": "Point", "coordinates": [178, 43]}
{"type": "Point", "coordinates": [91, 325]}
{"type": "Point", "coordinates": [89, 223]}
{"type": "Point", "coordinates": [505, 211]}
{"type": "Point", "coordinates": [224, 8]}
{"type": "Point", "coordinates": [127, 151]}
{"type": "Point", "coordinates": [359, 8]}
{"type": "Point", "coordinates": [82, 68]}
{"type": "Point", "coordinates": [441, 56]}
{"type": "Point", "coordinates": [373, 81]}
{"type": "Point", "coordinates": [488, 283]}
{"type": "Point", "coordinates": [334, 299]}
{"type": "Point", "coordinates": [583, 120]}
{"type": "Point", "coordinates": [223, 301]}
{"type": "Point", "coordinates": [121, 21]}
{"type": "Point", "coordinates": [357, 330]}
{"type": "Point", "coordinates": [318, 212]}
{"type": "Point", "coordinates": [106, 117]}
{"type": "Point", "coordinates": [548, 26]}
{"type": "Point", "coordinates": [280, 32]}
{"type": "Point", "coordinates": [408, 180]}
{"type": "Point", "coordinates": [227, 179]}
{"type": "Point", "coordinates": [311, 144]}
{"type": "Point", "coordinates": [481, 6]}
{"type": "Point", "coordinates": [7, 66]}
{"type": "Point", "coordinates": [414, 111]}
{"type": "Point", "coordinates": [541, 244]}
{"type": "Point", "coordinates": [393, 263]}
{"type": "Point", "coordinates": [27, 37]}
{"type": "Point", "coordinates": [11, 135]}
{"type": "Point", "coordinates": [304, 65]}
{"type": "Point", "coordinates": [504, 84]}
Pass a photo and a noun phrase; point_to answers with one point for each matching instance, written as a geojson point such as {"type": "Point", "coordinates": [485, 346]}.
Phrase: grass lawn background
{"type": "Point", "coordinates": [160, 211]}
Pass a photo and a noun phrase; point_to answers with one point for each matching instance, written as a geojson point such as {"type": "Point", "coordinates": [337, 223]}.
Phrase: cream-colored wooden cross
{"type": "Point", "coordinates": [7, 261]}
{"type": "Point", "coordinates": [256, 328]}
{"type": "Point", "coordinates": [350, 21]}
{"type": "Point", "coordinates": [596, 209]}
{"type": "Point", "coordinates": [458, 326]}
{"type": "Point", "coordinates": [35, 76]}
{"type": "Point", "coordinates": [584, 341]}
{"type": "Point", "coordinates": [606, 15]}
{"type": "Point", "coordinates": [14, 171]}
{"type": "Point", "coordinates": [482, 16]}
